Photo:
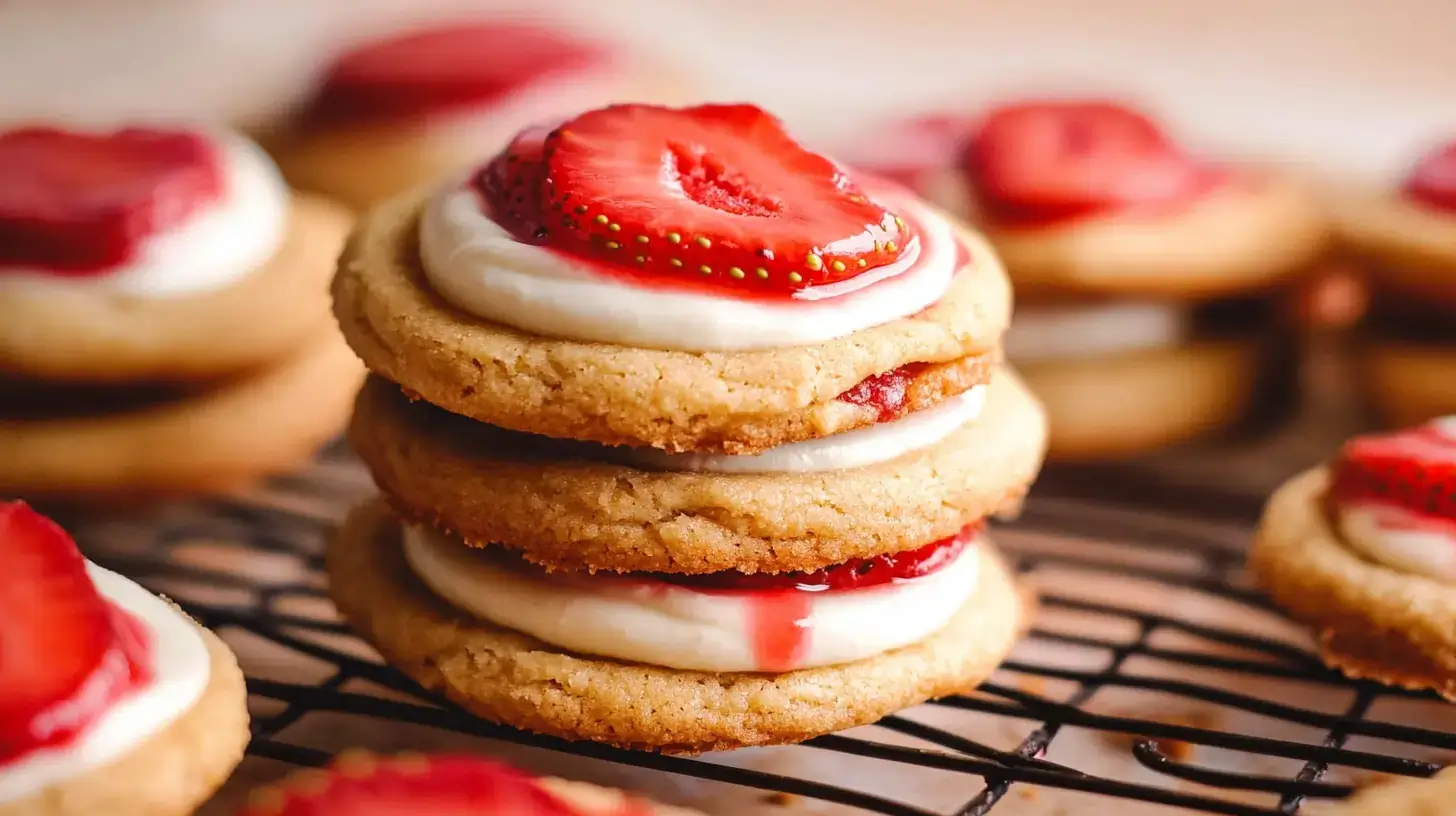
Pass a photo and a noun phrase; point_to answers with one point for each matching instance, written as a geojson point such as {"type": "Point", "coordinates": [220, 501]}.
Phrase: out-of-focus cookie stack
{"type": "Point", "coordinates": [165, 322]}
{"type": "Point", "coordinates": [687, 438]}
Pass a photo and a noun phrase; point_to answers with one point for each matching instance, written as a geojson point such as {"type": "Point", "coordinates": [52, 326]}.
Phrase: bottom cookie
{"type": "Point", "coordinates": [269, 421]}
{"type": "Point", "coordinates": [1372, 622]}
{"type": "Point", "coordinates": [1109, 407]}
{"type": "Point", "coordinates": [1408, 383]}
{"type": "Point", "coordinates": [510, 678]}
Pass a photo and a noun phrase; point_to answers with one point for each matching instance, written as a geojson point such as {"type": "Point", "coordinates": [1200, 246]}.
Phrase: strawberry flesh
{"type": "Point", "coordinates": [716, 195]}
{"type": "Point", "coordinates": [439, 786]}
{"type": "Point", "coordinates": [442, 69]}
{"type": "Point", "coordinates": [1413, 469]}
{"type": "Point", "coordinates": [65, 653]}
{"type": "Point", "coordinates": [887, 393]}
{"type": "Point", "coordinates": [1433, 182]}
{"type": "Point", "coordinates": [857, 573]}
{"type": "Point", "coordinates": [511, 184]}
{"type": "Point", "coordinates": [1044, 163]}
{"type": "Point", "coordinates": [84, 203]}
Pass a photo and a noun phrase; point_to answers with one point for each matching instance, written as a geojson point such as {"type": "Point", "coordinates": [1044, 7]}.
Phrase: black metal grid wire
{"type": "Point", "coordinates": [291, 518]}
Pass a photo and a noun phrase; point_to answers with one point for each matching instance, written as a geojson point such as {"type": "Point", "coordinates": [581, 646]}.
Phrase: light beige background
{"type": "Point", "coordinates": [1352, 87]}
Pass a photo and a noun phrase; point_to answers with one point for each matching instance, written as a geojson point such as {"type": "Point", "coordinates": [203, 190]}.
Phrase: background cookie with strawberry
{"type": "Point", "coordinates": [111, 699]}
{"type": "Point", "coordinates": [1146, 277]}
{"type": "Point", "coordinates": [1364, 550]}
{"type": "Point", "coordinates": [391, 114]}
{"type": "Point", "coordinates": [163, 294]}
{"type": "Point", "coordinates": [1406, 241]}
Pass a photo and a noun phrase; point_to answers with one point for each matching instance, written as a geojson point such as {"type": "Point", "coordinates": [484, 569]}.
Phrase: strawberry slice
{"type": "Point", "coordinates": [65, 653]}
{"type": "Point", "coordinates": [511, 184]}
{"type": "Point", "coordinates": [359, 784]}
{"type": "Point", "coordinates": [1047, 162]}
{"type": "Point", "coordinates": [717, 193]}
{"type": "Point", "coordinates": [440, 68]}
{"type": "Point", "coordinates": [83, 203]}
{"type": "Point", "coordinates": [1433, 181]}
{"type": "Point", "coordinates": [857, 573]}
{"type": "Point", "coordinates": [1414, 469]}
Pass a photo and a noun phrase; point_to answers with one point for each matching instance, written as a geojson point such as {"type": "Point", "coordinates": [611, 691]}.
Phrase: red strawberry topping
{"type": "Point", "coordinates": [857, 573]}
{"type": "Point", "coordinates": [359, 784]}
{"type": "Point", "coordinates": [887, 393]}
{"type": "Point", "coordinates": [1047, 162]}
{"type": "Point", "coordinates": [716, 195]}
{"type": "Point", "coordinates": [65, 653]}
{"type": "Point", "coordinates": [512, 184]}
{"type": "Point", "coordinates": [1414, 469]}
{"type": "Point", "coordinates": [1434, 180]}
{"type": "Point", "coordinates": [83, 203]}
{"type": "Point", "coordinates": [444, 68]}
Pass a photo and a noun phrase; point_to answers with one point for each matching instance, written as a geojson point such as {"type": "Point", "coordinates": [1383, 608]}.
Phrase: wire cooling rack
{"type": "Point", "coordinates": [1155, 678]}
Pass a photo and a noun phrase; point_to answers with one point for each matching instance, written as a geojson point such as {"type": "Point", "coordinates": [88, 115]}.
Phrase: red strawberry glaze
{"type": "Point", "coordinates": [362, 785]}
{"type": "Point", "coordinates": [1412, 470]}
{"type": "Point", "coordinates": [780, 603]}
{"type": "Point", "coordinates": [82, 204]}
{"type": "Point", "coordinates": [443, 70]}
{"type": "Point", "coordinates": [66, 653]}
{"type": "Point", "coordinates": [1433, 181]}
{"type": "Point", "coordinates": [1045, 164]}
{"type": "Point", "coordinates": [886, 393]}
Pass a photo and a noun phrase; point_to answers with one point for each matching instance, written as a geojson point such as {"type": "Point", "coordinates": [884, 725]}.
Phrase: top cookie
{"type": "Point", "coordinates": [409, 306]}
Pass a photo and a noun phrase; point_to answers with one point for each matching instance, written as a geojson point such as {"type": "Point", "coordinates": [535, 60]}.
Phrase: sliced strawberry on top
{"type": "Point", "coordinates": [1433, 181]}
{"type": "Point", "coordinates": [717, 193]}
{"type": "Point", "coordinates": [76, 203]}
{"type": "Point", "coordinates": [443, 67]}
{"type": "Point", "coordinates": [62, 658]}
{"type": "Point", "coordinates": [511, 184]}
{"type": "Point", "coordinates": [1051, 161]}
{"type": "Point", "coordinates": [358, 784]}
{"type": "Point", "coordinates": [1414, 469]}
{"type": "Point", "coordinates": [857, 573]}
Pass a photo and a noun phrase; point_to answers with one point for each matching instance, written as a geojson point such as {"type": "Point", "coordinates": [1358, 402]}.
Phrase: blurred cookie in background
{"type": "Point", "coordinates": [1405, 240]}
{"type": "Point", "coordinates": [166, 326]}
{"type": "Point", "coordinates": [392, 113]}
{"type": "Point", "coordinates": [1151, 283]}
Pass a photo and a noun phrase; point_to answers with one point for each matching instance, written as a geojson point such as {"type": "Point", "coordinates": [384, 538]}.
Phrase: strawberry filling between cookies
{"type": "Point", "coordinates": [699, 229]}
{"type": "Point", "coordinates": [138, 211]}
{"type": "Point", "coordinates": [1393, 498]}
{"type": "Point", "coordinates": [92, 663]}
{"type": "Point", "coordinates": [721, 622]}
{"type": "Point", "coordinates": [1046, 164]}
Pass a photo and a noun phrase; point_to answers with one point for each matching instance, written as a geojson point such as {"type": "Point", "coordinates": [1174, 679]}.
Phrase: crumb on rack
{"type": "Point", "coordinates": [780, 799]}
{"type": "Point", "coordinates": [1028, 793]}
{"type": "Point", "coordinates": [1174, 749]}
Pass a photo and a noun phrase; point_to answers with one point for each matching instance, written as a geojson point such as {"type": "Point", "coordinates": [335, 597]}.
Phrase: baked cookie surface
{"type": "Point", "coordinates": [1371, 621]}
{"type": "Point", "coordinates": [80, 334]}
{"type": "Point", "coordinates": [231, 432]}
{"type": "Point", "coordinates": [564, 510]}
{"type": "Point", "coordinates": [736, 402]}
{"type": "Point", "coordinates": [513, 679]}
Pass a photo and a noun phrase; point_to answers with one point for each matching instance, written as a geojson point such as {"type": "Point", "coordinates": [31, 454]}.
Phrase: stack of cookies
{"type": "Point", "coordinates": [687, 437]}
{"type": "Point", "coordinates": [165, 326]}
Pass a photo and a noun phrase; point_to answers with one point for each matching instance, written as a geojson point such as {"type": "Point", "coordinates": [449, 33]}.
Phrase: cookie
{"type": "Point", "coordinates": [1372, 622]}
{"type": "Point", "coordinates": [518, 681]}
{"type": "Point", "coordinates": [1253, 235]}
{"type": "Point", "coordinates": [1409, 382]}
{"type": "Point", "coordinates": [1118, 405]}
{"type": "Point", "coordinates": [741, 402]}
{"type": "Point", "coordinates": [267, 420]}
{"type": "Point", "coordinates": [169, 760]}
{"type": "Point", "coordinates": [1409, 246]}
{"type": "Point", "coordinates": [415, 783]}
{"type": "Point", "coordinates": [572, 508]}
